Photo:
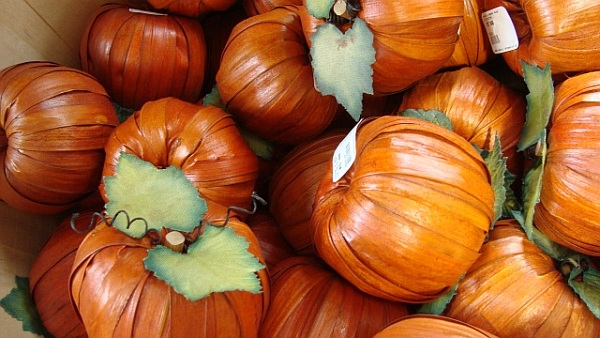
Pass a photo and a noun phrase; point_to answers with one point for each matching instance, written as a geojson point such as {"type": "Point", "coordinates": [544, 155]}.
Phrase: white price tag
{"type": "Point", "coordinates": [500, 30]}
{"type": "Point", "coordinates": [345, 154]}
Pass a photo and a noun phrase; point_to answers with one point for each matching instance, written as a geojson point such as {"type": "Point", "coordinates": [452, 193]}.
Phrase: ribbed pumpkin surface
{"type": "Point", "coordinates": [409, 217]}
{"type": "Point", "coordinates": [568, 211]}
{"type": "Point", "coordinates": [192, 8]}
{"type": "Point", "coordinates": [54, 123]}
{"type": "Point", "coordinates": [117, 297]}
{"type": "Point", "coordinates": [426, 326]}
{"type": "Point", "coordinates": [201, 140]}
{"type": "Point", "coordinates": [310, 300]}
{"type": "Point", "coordinates": [515, 290]}
{"type": "Point", "coordinates": [266, 79]}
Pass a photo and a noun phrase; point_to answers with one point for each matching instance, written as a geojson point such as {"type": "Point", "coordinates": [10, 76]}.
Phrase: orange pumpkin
{"type": "Point", "coordinates": [273, 246]}
{"type": "Point", "coordinates": [563, 33]}
{"type": "Point", "coordinates": [568, 209]}
{"type": "Point", "coordinates": [201, 140]}
{"type": "Point", "coordinates": [49, 278]}
{"type": "Point", "coordinates": [310, 300]}
{"type": "Point", "coordinates": [192, 8]}
{"type": "Point", "coordinates": [479, 106]}
{"type": "Point", "coordinates": [515, 290]}
{"type": "Point", "coordinates": [140, 57]}
{"type": "Point", "coordinates": [409, 217]}
{"type": "Point", "coordinates": [293, 188]}
{"type": "Point", "coordinates": [473, 47]}
{"type": "Point", "coordinates": [425, 326]}
{"type": "Point", "coordinates": [266, 79]}
{"type": "Point", "coordinates": [54, 123]}
{"type": "Point", "coordinates": [117, 297]}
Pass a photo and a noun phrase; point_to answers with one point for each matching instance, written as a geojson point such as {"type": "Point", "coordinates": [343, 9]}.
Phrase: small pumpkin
{"type": "Point", "coordinates": [425, 326]}
{"type": "Point", "coordinates": [479, 106]}
{"type": "Point", "coordinates": [54, 123]}
{"type": "Point", "coordinates": [568, 210]}
{"type": "Point", "coordinates": [515, 290]}
{"type": "Point", "coordinates": [408, 218]}
{"type": "Point", "coordinates": [273, 246]}
{"type": "Point", "coordinates": [563, 33]}
{"type": "Point", "coordinates": [116, 296]}
{"type": "Point", "coordinates": [266, 79]}
{"type": "Point", "coordinates": [49, 278]}
{"type": "Point", "coordinates": [311, 300]}
{"type": "Point", "coordinates": [294, 185]}
{"type": "Point", "coordinates": [192, 8]}
{"type": "Point", "coordinates": [254, 7]}
{"type": "Point", "coordinates": [203, 141]}
{"type": "Point", "coordinates": [120, 47]}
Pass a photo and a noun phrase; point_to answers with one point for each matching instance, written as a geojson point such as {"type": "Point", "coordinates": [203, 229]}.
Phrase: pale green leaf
{"type": "Point", "coordinates": [153, 197]}
{"type": "Point", "coordinates": [19, 305]}
{"type": "Point", "coordinates": [587, 287]}
{"type": "Point", "coordinates": [342, 64]}
{"type": "Point", "coordinates": [438, 305]}
{"type": "Point", "coordinates": [213, 99]}
{"type": "Point", "coordinates": [319, 8]}
{"type": "Point", "coordinates": [540, 100]}
{"type": "Point", "coordinates": [218, 261]}
{"type": "Point", "coordinates": [430, 115]}
{"type": "Point", "coordinates": [261, 147]}
{"type": "Point", "coordinates": [495, 162]}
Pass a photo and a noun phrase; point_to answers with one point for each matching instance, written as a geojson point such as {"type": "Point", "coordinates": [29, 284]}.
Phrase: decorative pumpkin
{"type": "Point", "coordinates": [266, 79]}
{"type": "Point", "coordinates": [120, 47]}
{"type": "Point", "coordinates": [409, 217]}
{"type": "Point", "coordinates": [203, 141]}
{"type": "Point", "coordinates": [293, 188]}
{"type": "Point", "coordinates": [425, 326]}
{"type": "Point", "coordinates": [254, 7]}
{"type": "Point", "coordinates": [49, 278]}
{"type": "Point", "coordinates": [117, 297]}
{"type": "Point", "coordinates": [479, 106]}
{"type": "Point", "coordinates": [54, 123]}
{"type": "Point", "coordinates": [192, 8]}
{"type": "Point", "coordinates": [563, 33]}
{"type": "Point", "coordinates": [273, 246]}
{"type": "Point", "coordinates": [412, 39]}
{"type": "Point", "coordinates": [568, 211]}
{"type": "Point", "coordinates": [473, 47]}
{"type": "Point", "coordinates": [310, 300]}
{"type": "Point", "coordinates": [515, 290]}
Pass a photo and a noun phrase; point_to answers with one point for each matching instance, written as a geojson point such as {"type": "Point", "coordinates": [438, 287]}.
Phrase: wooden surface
{"type": "Point", "coordinates": [30, 30]}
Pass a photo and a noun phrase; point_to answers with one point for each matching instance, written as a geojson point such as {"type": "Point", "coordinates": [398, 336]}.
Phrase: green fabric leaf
{"type": "Point", "coordinates": [495, 162]}
{"type": "Point", "coordinates": [261, 147]}
{"type": "Point", "coordinates": [319, 8]}
{"type": "Point", "coordinates": [19, 305]}
{"type": "Point", "coordinates": [218, 261]}
{"type": "Point", "coordinates": [431, 115]}
{"type": "Point", "coordinates": [438, 305]}
{"type": "Point", "coordinates": [342, 64]}
{"type": "Point", "coordinates": [512, 201]}
{"type": "Point", "coordinates": [213, 99]}
{"type": "Point", "coordinates": [587, 287]}
{"type": "Point", "coordinates": [122, 112]}
{"type": "Point", "coordinates": [156, 197]}
{"type": "Point", "coordinates": [539, 103]}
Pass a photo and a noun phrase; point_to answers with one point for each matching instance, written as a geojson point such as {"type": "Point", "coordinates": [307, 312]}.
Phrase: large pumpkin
{"type": "Point", "coordinates": [201, 140]}
{"type": "Point", "coordinates": [425, 326]}
{"type": "Point", "coordinates": [140, 56]}
{"type": "Point", "coordinates": [49, 278]}
{"type": "Point", "coordinates": [266, 79]}
{"type": "Point", "coordinates": [294, 185]}
{"type": "Point", "coordinates": [479, 106]}
{"type": "Point", "coordinates": [54, 123]}
{"type": "Point", "coordinates": [273, 246]}
{"type": "Point", "coordinates": [311, 300]}
{"type": "Point", "coordinates": [563, 33]}
{"type": "Point", "coordinates": [568, 211]}
{"type": "Point", "coordinates": [409, 217]}
{"type": "Point", "coordinates": [254, 7]}
{"type": "Point", "coordinates": [117, 297]}
{"type": "Point", "coordinates": [515, 290]}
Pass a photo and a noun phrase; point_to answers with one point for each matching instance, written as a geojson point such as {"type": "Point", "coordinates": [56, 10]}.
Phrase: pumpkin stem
{"type": "Point", "coordinates": [343, 11]}
{"type": "Point", "coordinates": [570, 264]}
{"type": "Point", "coordinates": [175, 241]}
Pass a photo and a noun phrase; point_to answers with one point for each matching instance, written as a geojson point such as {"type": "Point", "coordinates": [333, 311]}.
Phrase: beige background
{"type": "Point", "coordinates": [33, 30]}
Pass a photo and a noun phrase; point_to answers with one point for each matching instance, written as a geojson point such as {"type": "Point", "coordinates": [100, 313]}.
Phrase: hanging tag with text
{"type": "Point", "coordinates": [500, 30]}
{"type": "Point", "coordinates": [345, 154]}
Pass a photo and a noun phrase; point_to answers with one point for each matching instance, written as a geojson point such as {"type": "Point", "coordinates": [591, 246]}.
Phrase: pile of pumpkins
{"type": "Point", "coordinates": [204, 86]}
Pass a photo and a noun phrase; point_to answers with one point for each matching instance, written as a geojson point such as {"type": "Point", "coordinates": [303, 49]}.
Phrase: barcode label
{"type": "Point", "coordinates": [500, 29]}
{"type": "Point", "coordinates": [344, 154]}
